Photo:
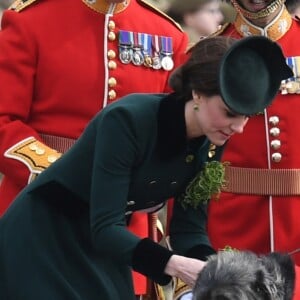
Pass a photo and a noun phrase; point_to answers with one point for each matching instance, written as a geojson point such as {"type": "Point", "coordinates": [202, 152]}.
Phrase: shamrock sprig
{"type": "Point", "coordinates": [206, 185]}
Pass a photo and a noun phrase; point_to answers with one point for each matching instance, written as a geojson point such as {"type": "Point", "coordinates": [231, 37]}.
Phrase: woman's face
{"type": "Point", "coordinates": [216, 120]}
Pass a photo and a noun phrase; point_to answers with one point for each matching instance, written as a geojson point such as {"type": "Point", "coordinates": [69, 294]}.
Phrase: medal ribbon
{"type": "Point", "coordinates": [166, 44]}
{"type": "Point", "coordinates": [156, 44]}
{"type": "Point", "coordinates": [125, 38]}
{"type": "Point", "coordinates": [146, 42]}
{"type": "Point", "coordinates": [137, 40]}
{"type": "Point", "coordinates": [294, 63]}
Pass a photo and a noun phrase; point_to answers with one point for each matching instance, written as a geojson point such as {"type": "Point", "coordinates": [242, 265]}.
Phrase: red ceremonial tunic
{"type": "Point", "coordinates": [260, 208]}
{"type": "Point", "coordinates": [60, 65]}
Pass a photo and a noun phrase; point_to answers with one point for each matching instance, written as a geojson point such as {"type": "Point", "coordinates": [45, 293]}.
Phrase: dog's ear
{"type": "Point", "coordinates": [287, 271]}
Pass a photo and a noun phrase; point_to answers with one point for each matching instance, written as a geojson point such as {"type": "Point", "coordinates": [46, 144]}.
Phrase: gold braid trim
{"type": "Point", "coordinates": [274, 31]}
{"type": "Point", "coordinates": [220, 30]}
{"type": "Point", "coordinates": [34, 154]}
{"type": "Point", "coordinates": [270, 9]}
{"type": "Point", "coordinates": [101, 6]}
{"type": "Point", "coordinates": [180, 289]}
{"type": "Point", "coordinates": [155, 9]}
{"type": "Point", "coordinates": [19, 5]}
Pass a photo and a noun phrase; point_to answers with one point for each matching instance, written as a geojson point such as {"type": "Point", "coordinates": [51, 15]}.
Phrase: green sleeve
{"type": "Point", "coordinates": [114, 156]}
{"type": "Point", "coordinates": [188, 227]}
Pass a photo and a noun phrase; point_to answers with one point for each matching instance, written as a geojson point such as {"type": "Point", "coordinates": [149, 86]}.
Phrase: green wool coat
{"type": "Point", "coordinates": [65, 237]}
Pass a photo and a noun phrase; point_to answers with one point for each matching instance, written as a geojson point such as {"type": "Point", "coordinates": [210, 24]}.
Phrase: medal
{"type": "Point", "coordinates": [166, 52]}
{"type": "Point", "coordinates": [292, 85]}
{"type": "Point", "coordinates": [156, 63]}
{"type": "Point", "coordinates": [125, 55]}
{"type": "Point", "coordinates": [167, 63]}
{"type": "Point", "coordinates": [147, 50]}
{"type": "Point", "coordinates": [137, 56]}
{"type": "Point", "coordinates": [294, 63]}
{"type": "Point", "coordinates": [125, 46]}
{"type": "Point", "coordinates": [148, 61]}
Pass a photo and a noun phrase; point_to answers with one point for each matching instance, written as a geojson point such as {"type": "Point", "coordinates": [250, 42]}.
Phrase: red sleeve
{"type": "Point", "coordinates": [18, 54]}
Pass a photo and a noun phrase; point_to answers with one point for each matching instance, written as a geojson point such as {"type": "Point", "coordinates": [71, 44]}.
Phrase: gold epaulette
{"type": "Point", "coordinates": [155, 9]}
{"type": "Point", "coordinates": [220, 30]}
{"type": "Point", "coordinates": [34, 154]}
{"type": "Point", "coordinates": [19, 5]}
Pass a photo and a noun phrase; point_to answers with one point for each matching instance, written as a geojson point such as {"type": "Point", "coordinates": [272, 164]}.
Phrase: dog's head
{"type": "Point", "coordinates": [241, 275]}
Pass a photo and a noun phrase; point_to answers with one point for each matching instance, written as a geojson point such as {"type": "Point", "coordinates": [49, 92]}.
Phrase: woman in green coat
{"type": "Point", "coordinates": [65, 237]}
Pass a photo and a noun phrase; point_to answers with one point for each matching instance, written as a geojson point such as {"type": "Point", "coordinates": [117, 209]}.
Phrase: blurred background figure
{"type": "Point", "coordinates": [293, 6]}
{"type": "Point", "coordinates": [160, 4]}
{"type": "Point", "coordinates": [3, 5]}
{"type": "Point", "coordinates": [200, 18]}
{"type": "Point", "coordinates": [228, 11]}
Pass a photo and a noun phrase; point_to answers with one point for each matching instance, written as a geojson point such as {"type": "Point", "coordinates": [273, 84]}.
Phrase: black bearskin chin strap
{"type": "Point", "coordinates": [271, 8]}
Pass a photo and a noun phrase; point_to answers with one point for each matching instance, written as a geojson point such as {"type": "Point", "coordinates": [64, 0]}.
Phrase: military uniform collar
{"type": "Point", "coordinates": [275, 30]}
{"type": "Point", "coordinates": [172, 137]}
{"type": "Point", "coordinates": [101, 6]}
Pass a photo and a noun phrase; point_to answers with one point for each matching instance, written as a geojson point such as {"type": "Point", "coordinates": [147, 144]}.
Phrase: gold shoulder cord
{"type": "Point", "coordinates": [146, 4]}
{"type": "Point", "coordinates": [19, 5]}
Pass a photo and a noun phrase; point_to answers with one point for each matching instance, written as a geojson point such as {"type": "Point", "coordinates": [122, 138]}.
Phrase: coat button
{"type": "Point", "coordinates": [112, 94]}
{"type": "Point", "coordinates": [276, 157]}
{"type": "Point", "coordinates": [52, 158]}
{"type": "Point", "coordinates": [189, 158]}
{"type": "Point", "coordinates": [111, 25]}
{"type": "Point", "coordinates": [111, 36]}
{"type": "Point", "coordinates": [130, 203]}
{"type": "Point", "coordinates": [275, 144]}
{"type": "Point", "coordinates": [275, 131]}
{"type": "Point", "coordinates": [33, 147]}
{"type": "Point", "coordinates": [173, 184]}
{"type": "Point", "coordinates": [211, 154]}
{"type": "Point", "coordinates": [111, 54]}
{"type": "Point", "coordinates": [274, 120]}
{"type": "Point", "coordinates": [112, 82]}
{"type": "Point", "coordinates": [40, 151]}
{"type": "Point", "coordinates": [112, 65]}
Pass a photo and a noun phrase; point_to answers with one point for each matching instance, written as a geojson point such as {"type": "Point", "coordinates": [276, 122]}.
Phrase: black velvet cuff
{"type": "Point", "coordinates": [150, 259]}
{"type": "Point", "coordinates": [200, 252]}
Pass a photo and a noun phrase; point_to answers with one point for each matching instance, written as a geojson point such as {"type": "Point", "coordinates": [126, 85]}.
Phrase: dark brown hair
{"type": "Point", "coordinates": [201, 71]}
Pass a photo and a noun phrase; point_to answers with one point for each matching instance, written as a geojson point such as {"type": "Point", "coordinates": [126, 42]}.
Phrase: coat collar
{"type": "Point", "coordinates": [275, 30]}
{"type": "Point", "coordinates": [101, 6]}
{"type": "Point", "coordinates": [172, 137]}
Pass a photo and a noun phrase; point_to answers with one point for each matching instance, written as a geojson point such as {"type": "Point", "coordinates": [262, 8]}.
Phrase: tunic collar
{"type": "Point", "coordinates": [101, 6]}
{"type": "Point", "coordinates": [275, 30]}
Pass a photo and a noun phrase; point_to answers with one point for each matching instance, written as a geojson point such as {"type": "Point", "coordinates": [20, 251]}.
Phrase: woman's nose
{"type": "Point", "coordinates": [239, 124]}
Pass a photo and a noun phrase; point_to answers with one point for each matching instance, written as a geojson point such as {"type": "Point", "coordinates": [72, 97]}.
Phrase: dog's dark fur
{"type": "Point", "coordinates": [241, 275]}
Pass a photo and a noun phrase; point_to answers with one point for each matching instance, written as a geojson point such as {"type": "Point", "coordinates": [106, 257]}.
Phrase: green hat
{"type": "Point", "coordinates": [250, 74]}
